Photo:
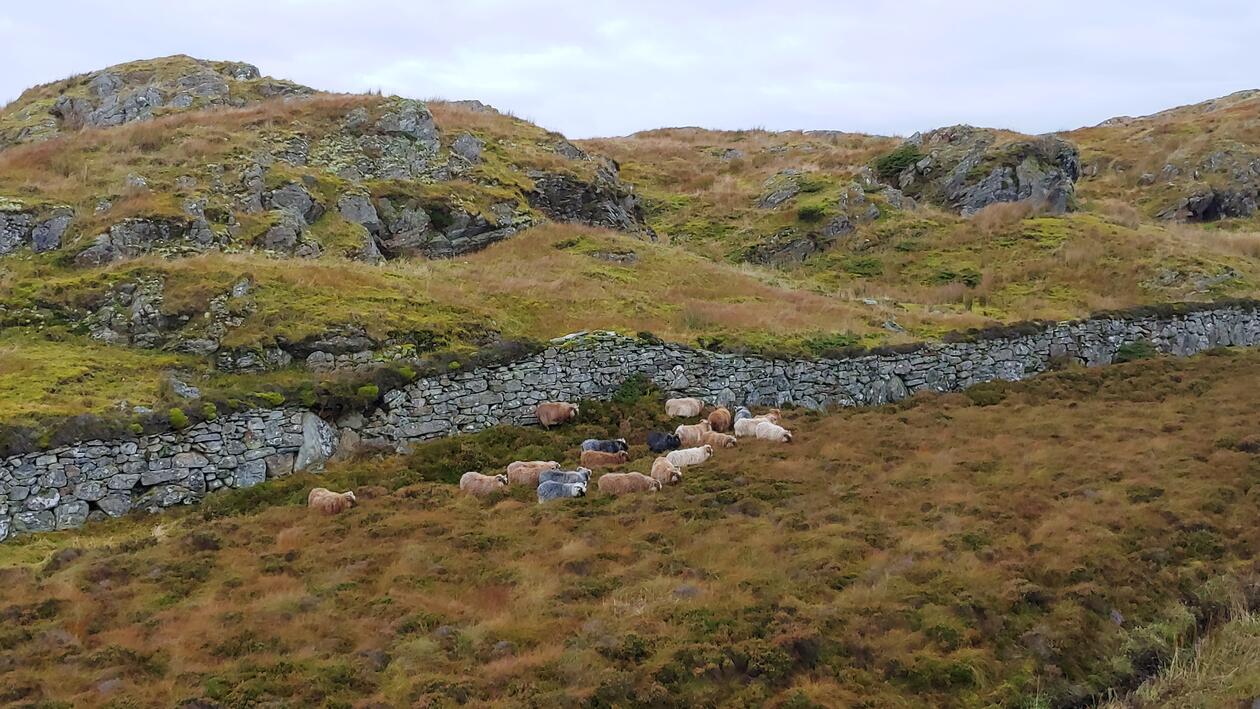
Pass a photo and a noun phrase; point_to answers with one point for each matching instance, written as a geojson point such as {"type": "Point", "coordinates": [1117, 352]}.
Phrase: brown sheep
{"type": "Point", "coordinates": [329, 502]}
{"type": "Point", "coordinates": [600, 459]}
{"type": "Point", "coordinates": [690, 435]}
{"type": "Point", "coordinates": [666, 472]}
{"type": "Point", "coordinates": [622, 483]}
{"type": "Point", "coordinates": [720, 419]}
{"type": "Point", "coordinates": [683, 407]}
{"type": "Point", "coordinates": [719, 440]}
{"type": "Point", "coordinates": [552, 413]}
{"type": "Point", "coordinates": [474, 483]}
{"type": "Point", "coordinates": [526, 472]}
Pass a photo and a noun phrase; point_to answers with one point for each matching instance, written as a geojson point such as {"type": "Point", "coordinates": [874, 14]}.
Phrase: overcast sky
{"type": "Point", "coordinates": [594, 67]}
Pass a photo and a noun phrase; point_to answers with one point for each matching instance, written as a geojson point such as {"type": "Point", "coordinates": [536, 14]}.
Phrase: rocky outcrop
{"type": "Point", "coordinates": [605, 201]}
{"type": "Point", "coordinates": [790, 246]}
{"type": "Point", "coordinates": [1223, 185]}
{"type": "Point", "coordinates": [140, 90]}
{"type": "Point", "coordinates": [402, 144]}
{"type": "Point", "coordinates": [967, 169]}
{"type": "Point", "coordinates": [20, 227]}
{"type": "Point", "coordinates": [1213, 204]}
{"type": "Point", "coordinates": [134, 237]}
{"type": "Point", "coordinates": [131, 314]}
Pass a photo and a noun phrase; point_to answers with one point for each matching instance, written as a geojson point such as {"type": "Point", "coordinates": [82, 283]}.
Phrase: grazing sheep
{"type": "Point", "coordinates": [622, 483]}
{"type": "Point", "coordinates": [329, 502]}
{"type": "Point", "coordinates": [746, 427]}
{"type": "Point", "coordinates": [600, 459]}
{"type": "Point", "coordinates": [525, 472]}
{"type": "Point", "coordinates": [666, 472]}
{"type": "Point", "coordinates": [552, 490]}
{"type": "Point", "coordinates": [581, 475]}
{"type": "Point", "coordinates": [742, 413]}
{"type": "Point", "coordinates": [690, 435]}
{"type": "Point", "coordinates": [683, 407]}
{"type": "Point", "coordinates": [551, 413]}
{"type": "Point", "coordinates": [690, 456]}
{"type": "Point", "coordinates": [474, 483]}
{"type": "Point", "coordinates": [595, 444]}
{"type": "Point", "coordinates": [719, 440]}
{"type": "Point", "coordinates": [660, 442]}
{"type": "Point", "coordinates": [720, 419]}
{"type": "Point", "coordinates": [767, 431]}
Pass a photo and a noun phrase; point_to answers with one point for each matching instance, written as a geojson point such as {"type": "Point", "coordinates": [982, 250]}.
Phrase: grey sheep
{"type": "Point", "coordinates": [613, 446]}
{"type": "Point", "coordinates": [742, 413]}
{"type": "Point", "coordinates": [581, 475]}
{"type": "Point", "coordinates": [552, 490]}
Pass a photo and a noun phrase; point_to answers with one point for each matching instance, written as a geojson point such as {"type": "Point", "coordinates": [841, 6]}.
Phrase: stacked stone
{"type": "Point", "coordinates": [65, 487]}
{"type": "Point", "coordinates": [593, 366]}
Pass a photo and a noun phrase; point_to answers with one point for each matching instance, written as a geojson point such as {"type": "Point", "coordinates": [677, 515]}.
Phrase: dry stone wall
{"type": "Point", "coordinates": [593, 367]}
{"type": "Point", "coordinates": [66, 487]}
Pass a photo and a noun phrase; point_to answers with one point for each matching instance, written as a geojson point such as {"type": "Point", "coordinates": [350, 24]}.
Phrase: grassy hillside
{"type": "Point", "coordinates": [742, 262]}
{"type": "Point", "coordinates": [704, 190]}
{"type": "Point", "coordinates": [1153, 161]}
{"type": "Point", "coordinates": [1222, 670]}
{"type": "Point", "coordinates": [1023, 545]}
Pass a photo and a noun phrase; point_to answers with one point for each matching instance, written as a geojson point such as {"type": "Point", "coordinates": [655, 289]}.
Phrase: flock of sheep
{"type": "Point", "coordinates": [688, 445]}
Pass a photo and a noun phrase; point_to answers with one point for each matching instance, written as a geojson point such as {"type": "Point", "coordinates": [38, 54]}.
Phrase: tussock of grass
{"type": "Point", "coordinates": [937, 552]}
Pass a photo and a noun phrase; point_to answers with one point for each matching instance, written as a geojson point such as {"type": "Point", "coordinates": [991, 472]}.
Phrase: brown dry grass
{"type": "Point", "coordinates": [938, 553]}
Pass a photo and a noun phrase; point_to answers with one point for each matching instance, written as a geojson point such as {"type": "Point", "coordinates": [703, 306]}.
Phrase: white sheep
{"type": "Point", "coordinates": [683, 407]}
{"type": "Point", "coordinates": [690, 456]}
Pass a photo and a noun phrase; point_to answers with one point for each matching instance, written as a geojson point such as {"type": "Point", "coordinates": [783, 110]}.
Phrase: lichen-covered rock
{"type": "Point", "coordinates": [468, 147]}
{"type": "Point", "coordinates": [296, 200]}
{"type": "Point", "coordinates": [604, 202]}
{"type": "Point", "coordinates": [136, 91]}
{"type": "Point", "coordinates": [134, 237]}
{"type": "Point", "coordinates": [46, 236]}
{"type": "Point", "coordinates": [285, 232]}
{"type": "Point", "coordinates": [15, 230]}
{"type": "Point", "coordinates": [358, 209]}
{"type": "Point", "coordinates": [789, 246]}
{"type": "Point", "coordinates": [967, 169]}
{"type": "Point", "coordinates": [780, 188]}
{"type": "Point", "coordinates": [1212, 204]}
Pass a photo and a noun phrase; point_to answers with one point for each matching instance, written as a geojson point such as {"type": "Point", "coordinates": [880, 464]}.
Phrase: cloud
{"type": "Point", "coordinates": [602, 67]}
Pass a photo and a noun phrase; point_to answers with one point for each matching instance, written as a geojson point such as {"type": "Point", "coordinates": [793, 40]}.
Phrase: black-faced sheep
{"type": "Point", "coordinates": [612, 446]}
{"type": "Point", "coordinates": [581, 475]}
{"type": "Point", "coordinates": [660, 442]}
{"type": "Point", "coordinates": [551, 490]}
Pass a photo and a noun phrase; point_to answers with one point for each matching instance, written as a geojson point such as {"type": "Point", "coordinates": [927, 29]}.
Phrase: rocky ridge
{"type": "Point", "coordinates": [368, 178]}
